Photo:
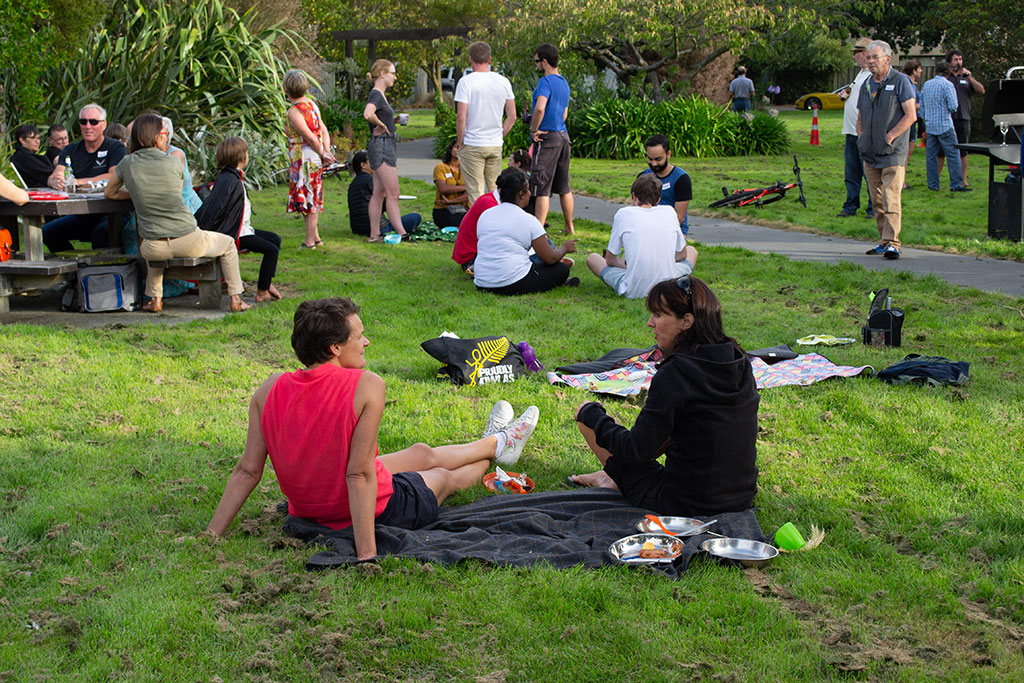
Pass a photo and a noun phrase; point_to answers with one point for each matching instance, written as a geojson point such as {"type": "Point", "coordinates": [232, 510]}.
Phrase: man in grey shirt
{"type": "Point", "coordinates": [742, 90]}
{"type": "Point", "coordinates": [885, 110]}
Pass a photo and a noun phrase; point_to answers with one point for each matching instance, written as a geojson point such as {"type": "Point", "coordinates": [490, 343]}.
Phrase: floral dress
{"type": "Point", "coordinates": [305, 179]}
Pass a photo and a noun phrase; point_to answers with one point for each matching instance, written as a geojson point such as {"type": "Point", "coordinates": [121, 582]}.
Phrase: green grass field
{"type": "Point", "coordinates": [115, 445]}
{"type": "Point", "coordinates": [937, 220]}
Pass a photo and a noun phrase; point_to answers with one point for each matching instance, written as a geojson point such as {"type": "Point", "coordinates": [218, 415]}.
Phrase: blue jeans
{"type": "Point", "coordinates": [57, 234]}
{"type": "Point", "coordinates": [947, 143]}
{"type": "Point", "coordinates": [410, 222]}
{"type": "Point", "coordinates": [854, 175]}
{"type": "Point", "coordinates": [741, 104]}
{"type": "Point", "coordinates": [536, 259]}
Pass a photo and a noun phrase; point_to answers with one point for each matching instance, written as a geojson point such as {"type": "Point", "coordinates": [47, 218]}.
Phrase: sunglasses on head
{"type": "Point", "coordinates": [91, 122]}
{"type": "Point", "coordinates": [683, 283]}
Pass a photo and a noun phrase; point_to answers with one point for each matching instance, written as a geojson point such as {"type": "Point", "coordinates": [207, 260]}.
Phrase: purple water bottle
{"type": "Point", "coordinates": [532, 364]}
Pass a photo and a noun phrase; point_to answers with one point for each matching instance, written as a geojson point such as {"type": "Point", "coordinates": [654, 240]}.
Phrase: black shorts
{"type": "Point", "coordinates": [412, 505]}
{"type": "Point", "coordinates": [382, 149]}
{"type": "Point", "coordinates": [549, 172]}
{"type": "Point", "coordinates": [963, 132]}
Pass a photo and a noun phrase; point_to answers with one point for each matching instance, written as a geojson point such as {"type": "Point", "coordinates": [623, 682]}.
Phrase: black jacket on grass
{"type": "Point", "coordinates": [223, 209]}
{"type": "Point", "coordinates": [701, 412]}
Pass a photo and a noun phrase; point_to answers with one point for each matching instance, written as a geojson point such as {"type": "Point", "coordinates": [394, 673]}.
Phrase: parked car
{"type": "Point", "coordinates": [448, 77]}
{"type": "Point", "coordinates": [825, 100]}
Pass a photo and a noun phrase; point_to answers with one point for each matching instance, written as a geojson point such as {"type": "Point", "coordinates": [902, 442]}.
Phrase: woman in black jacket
{"type": "Point", "coordinates": [33, 167]}
{"type": "Point", "coordinates": [227, 210]}
{"type": "Point", "coordinates": [701, 413]}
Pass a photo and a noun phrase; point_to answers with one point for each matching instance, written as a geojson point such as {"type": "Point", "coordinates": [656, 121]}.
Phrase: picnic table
{"type": "Point", "coordinates": [1005, 200]}
{"type": "Point", "coordinates": [29, 268]}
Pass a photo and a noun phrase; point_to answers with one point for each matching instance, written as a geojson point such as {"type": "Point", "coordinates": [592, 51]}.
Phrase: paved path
{"type": "Point", "coordinates": [416, 161]}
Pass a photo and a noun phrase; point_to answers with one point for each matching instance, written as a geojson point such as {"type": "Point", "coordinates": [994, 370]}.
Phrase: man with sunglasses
{"type": "Point", "coordinates": [91, 158]}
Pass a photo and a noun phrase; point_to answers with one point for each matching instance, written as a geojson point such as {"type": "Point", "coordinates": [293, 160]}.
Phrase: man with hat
{"type": "Point", "coordinates": [854, 171]}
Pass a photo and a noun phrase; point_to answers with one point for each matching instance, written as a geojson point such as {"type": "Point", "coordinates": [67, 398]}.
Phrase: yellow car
{"type": "Point", "coordinates": [825, 100]}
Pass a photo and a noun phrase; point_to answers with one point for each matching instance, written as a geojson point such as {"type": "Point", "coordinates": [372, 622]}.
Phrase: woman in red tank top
{"type": "Point", "coordinates": [319, 427]}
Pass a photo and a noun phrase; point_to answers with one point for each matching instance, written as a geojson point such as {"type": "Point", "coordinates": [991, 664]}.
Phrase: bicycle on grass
{"type": "Point", "coordinates": [759, 196]}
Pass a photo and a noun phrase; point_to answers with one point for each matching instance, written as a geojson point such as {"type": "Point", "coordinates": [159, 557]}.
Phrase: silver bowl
{"type": "Point", "coordinates": [745, 551]}
{"type": "Point", "coordinates": [627, 549]}
{"type": "Point", "coordinates": [681, 526]}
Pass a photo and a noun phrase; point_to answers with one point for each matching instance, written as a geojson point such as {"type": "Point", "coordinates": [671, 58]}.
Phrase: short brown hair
{"type": "Point", "coordinates": [145, 130]}
{"type": "Point", "coordinates": [479, 52]}
{"type": "Point", "coordinates": [295, 84]}
{"type": "Point", "coordinates": [318, 324]}
{"type": "Point", "coordinates": [910, 66]}
{"type": "Point", "coordinates": [231, 151]}
{"type": "Point", "coordinates": [647, 189]}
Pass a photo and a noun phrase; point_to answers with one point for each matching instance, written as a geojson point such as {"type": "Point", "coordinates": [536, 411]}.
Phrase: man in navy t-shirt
{"type": "Point", "coordinates": [676, 189]}
{"type": "Point", "coordinates": [551, 147]}
{"type": "Point", "coordinates": [91, 158]}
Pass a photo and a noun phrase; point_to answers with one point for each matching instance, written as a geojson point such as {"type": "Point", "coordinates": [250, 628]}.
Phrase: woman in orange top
{"type": "Point", "coordinates": [451, 200]}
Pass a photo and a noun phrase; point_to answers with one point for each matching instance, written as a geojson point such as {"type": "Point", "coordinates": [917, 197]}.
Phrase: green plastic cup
{"type": "Point", "coordinates": [788, 537]}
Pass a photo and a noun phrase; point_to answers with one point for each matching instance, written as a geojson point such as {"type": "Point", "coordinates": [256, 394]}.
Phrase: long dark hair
{"type": "Point", "coordinates": [510, 183]}
{"type": "Point", "coordinates": [690, 295]}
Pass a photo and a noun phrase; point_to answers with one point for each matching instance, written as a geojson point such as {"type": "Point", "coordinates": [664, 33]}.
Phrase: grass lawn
{"type": "Point", "coordinates": [421, 125]}
{"type": "Point", "coordinates": [939, 220]}
{"type": "Point", "coordinates": [116, 443]}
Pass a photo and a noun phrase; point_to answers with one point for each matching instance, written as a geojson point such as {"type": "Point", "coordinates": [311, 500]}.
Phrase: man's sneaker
{"type": "Point", "coordinates": [572, 282]}
{"type": "Point", "coordinates": [891, 253]}
{"type": "Point", "coordinates": [876, 251]}
{"type": "Point", "coordinates": [500, 417]}
{"type": "Point", "coordinates": [518, 433]}
{"type": "Point", "coordinates": [962, 188]}
{"type": "Point", "coordinates": [869, 213]}
{"type": "Point", "coordinates": [846, 214]}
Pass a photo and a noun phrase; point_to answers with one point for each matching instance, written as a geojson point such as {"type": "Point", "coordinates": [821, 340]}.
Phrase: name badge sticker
{"type": "Point", "coordinates": [890, 87]}
{"type": "Point", "coordinates": [447, 175]}
{"type": "Point", "coordinates": [101, 154]}
{"type": "Point", "coordinates": [666, 186]}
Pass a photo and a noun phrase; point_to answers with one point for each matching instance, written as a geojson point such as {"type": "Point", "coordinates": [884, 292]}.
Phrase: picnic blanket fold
{"type": "Point", "coordinates": [560, 529]}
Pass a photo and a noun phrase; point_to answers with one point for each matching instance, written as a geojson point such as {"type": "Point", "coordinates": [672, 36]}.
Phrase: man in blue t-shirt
{"type": "Point", "coordinates": [676, 189]}
{"type": "Point", "coordinates": [551, 148]}
{"type": "Point", "coordinates": [92, 158]}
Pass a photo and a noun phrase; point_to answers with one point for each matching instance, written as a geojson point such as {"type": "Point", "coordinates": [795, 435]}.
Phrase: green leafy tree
{"type": "Point", "coordinates": [344, 15]}
{"type": "Point", "coordinates": [653, 40]}
{"type": "Point", "coordinates": [36, 35]}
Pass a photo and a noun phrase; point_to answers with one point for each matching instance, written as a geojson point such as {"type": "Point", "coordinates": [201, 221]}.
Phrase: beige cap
{"type": "Point", "coordinates": [861, 44]}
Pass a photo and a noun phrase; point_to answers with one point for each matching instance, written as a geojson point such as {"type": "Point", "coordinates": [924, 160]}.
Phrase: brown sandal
{"type": "Point", "coordinates": [153, 306]}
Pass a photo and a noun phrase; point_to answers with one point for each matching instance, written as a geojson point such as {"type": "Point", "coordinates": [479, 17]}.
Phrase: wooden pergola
{"type": "Point", "coordinates": [372, 35]}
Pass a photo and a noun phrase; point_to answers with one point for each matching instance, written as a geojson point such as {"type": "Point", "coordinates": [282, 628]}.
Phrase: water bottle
{"type": "Point", "coordinates": [69, 176]}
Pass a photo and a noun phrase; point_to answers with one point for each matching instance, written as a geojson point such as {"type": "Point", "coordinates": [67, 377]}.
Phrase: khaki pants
{"type": "Point", "coordinates": [480, 168]}
{"type": "Point", "coordinates": [198, 244]}
{"type": "Point", "coordinates": [885, 187]}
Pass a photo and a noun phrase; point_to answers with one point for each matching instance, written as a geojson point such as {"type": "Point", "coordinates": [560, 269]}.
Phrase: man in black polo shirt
{"type": "Point", "coordinates": [91, 158]}
{"type": "Point", "coordinates": [965, 85]}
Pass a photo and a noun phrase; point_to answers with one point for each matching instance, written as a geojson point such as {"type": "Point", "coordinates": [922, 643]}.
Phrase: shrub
{"type": "Point", "coordinates": [444, 118]}
{"type": "Point", "coordinates": [617, 129]}
{"type": "Point", "coordinates": [345, 117]}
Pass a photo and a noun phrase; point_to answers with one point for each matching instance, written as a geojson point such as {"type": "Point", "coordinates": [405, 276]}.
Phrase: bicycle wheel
{"type": "Point", "coordinates": [735, 198]}
{"type": "Point", "coordinates": [772, 198]}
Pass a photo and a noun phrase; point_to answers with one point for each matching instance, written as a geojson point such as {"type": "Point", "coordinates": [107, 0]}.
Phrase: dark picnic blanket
{"type": "Point", "coordinates": [556, 528]}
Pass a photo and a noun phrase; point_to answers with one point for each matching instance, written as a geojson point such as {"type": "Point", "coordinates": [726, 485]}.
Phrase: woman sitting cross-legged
{"type": "Point", "coordinates": [451, 200]}
{"type": "Point", "coordinates": [319, 426]}
{"type": "Point", "coordinates": [700, 413]}
{"type": "Point", "coordinates": [153, 179]}
{"type": "Point", "coordinates": [228, 210]}
{"type": "Point", "coordinates": [504, 237]}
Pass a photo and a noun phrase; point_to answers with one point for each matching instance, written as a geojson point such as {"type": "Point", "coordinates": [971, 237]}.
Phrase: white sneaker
{"type": "Point", "coordinates": [500, 418]}
{"type": "Point", "coordinates": [518, 433]}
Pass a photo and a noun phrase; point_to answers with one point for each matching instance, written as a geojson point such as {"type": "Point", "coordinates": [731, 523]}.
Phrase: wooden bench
{"type": "Point", "coordinates": [205, 271]}
{"type": "Point", "coordinates": [17, 275]}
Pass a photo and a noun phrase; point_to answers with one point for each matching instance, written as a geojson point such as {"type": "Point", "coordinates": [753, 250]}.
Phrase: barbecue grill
{"type": "Point", "coordinates": [1004, 103]}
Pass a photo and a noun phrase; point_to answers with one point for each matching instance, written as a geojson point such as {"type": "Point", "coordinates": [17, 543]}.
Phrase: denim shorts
{"type": "Point", "coordinates": [382, 149]}
{"type": "Point", "coordinates": [612, 276]}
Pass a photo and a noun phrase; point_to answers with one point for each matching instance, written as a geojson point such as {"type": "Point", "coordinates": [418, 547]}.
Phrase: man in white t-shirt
{"type": "Point", "coordinates": [647, 236]}
{"type": "Point", "coordinates": [853, 166]}
{"type": "Point", "coordinates": [480, 99]}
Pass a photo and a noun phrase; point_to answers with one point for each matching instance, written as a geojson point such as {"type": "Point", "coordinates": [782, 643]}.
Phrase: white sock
{"type": "Point", "coordinates": [502, 438]}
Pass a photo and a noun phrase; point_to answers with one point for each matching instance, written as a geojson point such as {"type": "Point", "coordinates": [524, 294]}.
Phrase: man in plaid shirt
{"type": "Point", "coordinates": [938, 105]}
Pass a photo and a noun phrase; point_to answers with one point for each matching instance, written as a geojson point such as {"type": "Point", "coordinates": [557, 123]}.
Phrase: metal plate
{"type": "Point", "coordinates": [627, 549]}
{"type": "Point", "coordinates": [682, 526]}
{"type": "Point", "coordinates": [745, 551]}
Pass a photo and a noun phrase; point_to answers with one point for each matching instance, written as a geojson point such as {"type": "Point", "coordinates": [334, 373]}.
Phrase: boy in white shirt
{"type": "Point", "coordinates": [648, 239]}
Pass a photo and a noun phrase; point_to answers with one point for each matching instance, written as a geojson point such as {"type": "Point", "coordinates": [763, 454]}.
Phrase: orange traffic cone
{"type": "Point", "coordinates": [814, 128]}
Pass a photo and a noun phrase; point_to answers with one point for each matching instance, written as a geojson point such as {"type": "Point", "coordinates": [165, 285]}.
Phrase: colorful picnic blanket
{"type": "Point", "coordinates": [635, 373]}
{"type": "Point", "coordinates": [802, 370]}
{"type": "Point", "coordinates": [628, 379]}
